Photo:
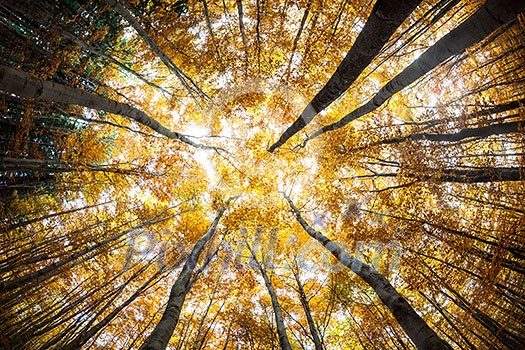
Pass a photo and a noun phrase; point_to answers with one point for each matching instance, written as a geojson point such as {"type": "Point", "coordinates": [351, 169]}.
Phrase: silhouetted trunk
{"type": "Point", "coordinates": [85, 254]}
{"type": "Point", "coordinates": [240, 12]}
{"type": "Point", "coordinates": [481, 175]}
{"type": "Point", "coordinates": [385, 18]}
{"type": "Point", "coordinates": [161, 334]}
{"type": "Point", "coordinates": [500, 332]}
{"type": "Point", "coordinates": [89, 333]}
{"type": "Point", "coordinates": [130, 18]}
{"type": "Point", "coordinates": [413, 325]}
{"type": "Point", "coordinates": [51, 215]}
{"type": "Point", "coordinates": [210, 29]}
{"type": "Point", "coordinates": [26, 86]}
{"type": "Point", "coordinates": [297, 37]}
{"type": "Point", "coordinates": [306, 307]}
{"type": "Point", "coordinates": [279, 319]}
{"type": "Point", "coordinates": [35, 12]}
{"type": "Point", "coordinates": [483, 22]}
{"type": "Point", "coordinates": [484, 131]}
{"type": "Point", "coordinates": [469, 176]}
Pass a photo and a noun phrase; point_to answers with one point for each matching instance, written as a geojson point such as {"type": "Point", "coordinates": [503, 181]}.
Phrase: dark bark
{"type": "Point", "coordinates": [210, 29]}
{"type": "Point", "coordinates": [481, 175]}
{"type": "Point", "coordinates": [44, 18]}
{"type": "Point", "coordinates": [450, 322]}
{"type": "Point", "coordinates": [84, 254]}
{"type": "Point", "coordinates": [188, 84]}
{"type": "Point", "coordinates": [499, 331]}
{"type": "Point", "coordinates": [484, 131]}
{"type": "Point", "coordinates": [482, 23]}
{"type": "Point", "coordinates": [306, 307]}
{"type": "Point", "coordinates": [51, 215]}
{"type": "Point", "coordinates": [240, 11]}
{"type": "Point", "coordinates": [469, 176]}
{"type": "Point", "coordinates": [297, 37]}
{"type": "Point", "coordinates": [279, 319]}
{"type": "Point", "coordinates": [26, 86]}
{"type": "Point", "coordinates": [161, 334]}
{"type": "Point", "coordinates": [258, 4]}
{"type": "Point", "coordinates": [84, 336]}
{"type": "Point", "coordinates": [385, 18]}
{"type": "Point", "coordinates": [413, 325]}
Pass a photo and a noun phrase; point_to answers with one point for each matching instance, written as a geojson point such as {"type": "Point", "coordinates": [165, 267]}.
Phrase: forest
{"type": "Point", "coordinates": [262, 174]}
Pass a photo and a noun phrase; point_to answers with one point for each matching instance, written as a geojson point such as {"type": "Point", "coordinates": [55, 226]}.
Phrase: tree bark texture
{"type": "Point", "coordinates": [279, 319]}
{"type": "Point", "coordinates": [414, 326]}
{"type": "Point", "coordinates": [161, 334]}
{"type": "Point", "coordinates": [26, 86]}
{"type": "Point", "coordinates": [483, 22]}
{"type": "Point", "coordinates": [385, 18]}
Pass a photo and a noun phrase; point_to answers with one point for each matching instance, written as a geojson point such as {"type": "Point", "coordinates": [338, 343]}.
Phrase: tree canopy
{"type": "Point", "coordinates": [265, 174]}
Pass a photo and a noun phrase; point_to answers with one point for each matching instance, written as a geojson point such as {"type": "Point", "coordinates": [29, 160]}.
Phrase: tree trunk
{"type": "Point", "coordinates": [279, 319]}
{"type": "Point", "coordinates": [484, 131]}
{"type": "Point", "coordinates": [477, 175]}
{"type": "Point", "coordinates": [240, 12]}
{"type": "Point", "coordinates": [468, 176]}
{"type": "Point", "coordinates": [161, 334]}
{"type": "Point", "coordinates": [26, 86]}
{"type": "Point", "coordinates": [210, 29]}
{"type": "Point", "coordinates": [484, 21]}
{"type": "Point", "coordinates": [297, 37]}
{"type": "Point", "coordinates": [43, 17]}
{"type": "Point", "coordinates": [87, 334]}
{"type": "Point", "coordinates": [306, 307]}
{"type": "Point", "coordinates": [86, 253]}
{"type": "Point", "coordinates": [414, 326]}
{"type": "Point", "coordinates": [385, 18]}
{"type": "Point", "coordinates": [128, 16]}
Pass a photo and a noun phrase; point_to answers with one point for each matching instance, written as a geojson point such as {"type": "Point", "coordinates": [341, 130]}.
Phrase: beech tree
{"type": "Point", "coordinates": [159, 338]}
{"type": "Point", "coordinates": [420, 333]}
{"type": "Point", "coordinates": [125, 126]}
{"type": "Point", "coordinates": [486, 20]}
{"type": "Point", "coordinates": [385, 18]}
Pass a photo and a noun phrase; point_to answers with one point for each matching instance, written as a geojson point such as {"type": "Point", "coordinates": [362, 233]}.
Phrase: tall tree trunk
{"type": "Point", "coordinates": [210, 29]}
{"type": "Point", "coordinates": [297, 37]}
{"type": "Point", "coordinates": [484, 131]}
{"type": "Point", "coordinates": [306, 307]}
{"type": "Point", "coordinates": [240, 12]}
{"type": "Point", "coordinates": [26, 86]}
{"type": "Point", "coordinates": [161, 334]}
{"type": "Point", "coordinates": [385, 18]}
{"type": "Point", "coordinates": [414, 326]}
{"type": "Point", "coordinates": [43, 17]}
{"type": "Point", "coordinates": [469, 176]}
{"type": "Point", "coordinates": [130, 18]}
{"type": "Point", "coordinates": [500, 332]}
{"type": "Point", "coordinates": [84, 336]}
{"type": "Point", "coordinates": [279, 319]}
{"type": "Point", "coordinates": [483, 22]}
{"type": "Point", "coordinates": [25, 222]}
{"type": "Point", "coordinates": [54, 268]}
